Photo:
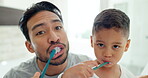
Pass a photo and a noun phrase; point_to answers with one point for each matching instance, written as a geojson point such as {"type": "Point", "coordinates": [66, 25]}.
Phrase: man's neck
{"type": "Point", "coordinates": [52, 70]}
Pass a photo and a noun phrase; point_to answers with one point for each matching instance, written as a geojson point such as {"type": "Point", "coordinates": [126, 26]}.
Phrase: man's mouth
{"type": "Point", "coordinates": [58, 53]}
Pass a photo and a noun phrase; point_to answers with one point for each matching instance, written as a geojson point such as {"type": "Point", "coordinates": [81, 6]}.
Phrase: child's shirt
{"type": "Point", "coordinates": [124, 73]}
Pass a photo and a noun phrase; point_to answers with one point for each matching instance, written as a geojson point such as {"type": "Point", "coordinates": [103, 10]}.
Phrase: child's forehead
{"type": "Point", "coordinates": [109, 36]}
{"type": "Point", "coordinates": [111, 30]}
{"type": "Point", "coordinates": [109, 33]}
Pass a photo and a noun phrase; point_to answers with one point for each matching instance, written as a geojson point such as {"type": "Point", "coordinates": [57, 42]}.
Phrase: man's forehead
{"type": "Point", "coordinates": [43, 16]}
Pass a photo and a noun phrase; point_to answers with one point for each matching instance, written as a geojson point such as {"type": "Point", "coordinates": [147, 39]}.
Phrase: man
{"type": "Point", "coordinates": [42, 26]}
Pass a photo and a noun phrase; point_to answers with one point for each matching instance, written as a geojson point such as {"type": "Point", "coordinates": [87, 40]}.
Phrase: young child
{"type": "Point", "coordinates": [109, 39]}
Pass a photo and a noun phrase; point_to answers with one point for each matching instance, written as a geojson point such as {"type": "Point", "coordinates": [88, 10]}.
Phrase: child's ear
{"type": "Point", "coordinates": [91, 38]}
{"type": "Point", "coordinates": [29, 47]}
{"type": "Point", "coordinates": [127, 45]}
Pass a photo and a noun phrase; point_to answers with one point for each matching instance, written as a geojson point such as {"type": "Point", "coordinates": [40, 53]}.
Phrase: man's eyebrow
{"type": "Point", "coordinates": [38, 25]}
{"type": "Point", "coordinates": [56, 20]}
{"type": "Point", "coordinates": [41, 24]}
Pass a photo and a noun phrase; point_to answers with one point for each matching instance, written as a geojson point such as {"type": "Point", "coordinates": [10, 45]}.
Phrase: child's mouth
{"type": "Point", "coordinates": [109, 62]}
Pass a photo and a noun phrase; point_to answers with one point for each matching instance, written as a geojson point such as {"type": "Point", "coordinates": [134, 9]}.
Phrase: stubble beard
{"type": "Point", "coordinates": [45, 60]}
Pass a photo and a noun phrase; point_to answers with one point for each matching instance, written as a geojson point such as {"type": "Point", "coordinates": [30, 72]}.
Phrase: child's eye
{"type": "Point", "coordinates": [40, 32]}
{"type": "Point", "coordinates": [100, 45]}
{"type": "Point", "coordinates": [58, 27]}
{"type": "Point", "coordinates": [116, 46]}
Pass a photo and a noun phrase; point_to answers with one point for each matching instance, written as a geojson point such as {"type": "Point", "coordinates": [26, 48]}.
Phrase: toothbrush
{"type": "Point", "coordinates": [100, 65]}
{"type": "Point", "coordinates": [46, 66]}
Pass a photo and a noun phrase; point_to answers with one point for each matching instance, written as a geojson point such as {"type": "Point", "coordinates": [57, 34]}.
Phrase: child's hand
{"type": "Point", "coordinates": [145, 76]}
{"type": "Point", "coordinates": [36, 75]}
{"type": "Point", "coordinates": [82, 70]}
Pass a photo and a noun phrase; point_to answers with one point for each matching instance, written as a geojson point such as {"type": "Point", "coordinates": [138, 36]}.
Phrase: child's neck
{"type": "Point", "coordinates": [109, 72]}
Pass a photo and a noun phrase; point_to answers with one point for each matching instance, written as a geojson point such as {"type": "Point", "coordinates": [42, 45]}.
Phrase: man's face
{"type": "Point", "coordinates": [46, 32]}
{"type": "Point", "coordinates": [109, 46]}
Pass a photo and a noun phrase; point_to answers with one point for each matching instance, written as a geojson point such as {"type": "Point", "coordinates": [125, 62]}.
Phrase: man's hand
{"type": "Point", "coordinates": [82, 70]}
{"type": "Point", "coordinates": [36, 75]}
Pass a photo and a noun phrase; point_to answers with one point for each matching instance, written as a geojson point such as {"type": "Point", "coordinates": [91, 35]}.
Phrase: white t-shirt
{"type": "Point", "coordinates": [124, 73]}
{"type": "Point", "coordinates": [145, 70]}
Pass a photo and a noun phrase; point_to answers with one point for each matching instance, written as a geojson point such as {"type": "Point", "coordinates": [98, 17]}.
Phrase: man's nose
{"type": "Point", "coordinates": [53, 37]}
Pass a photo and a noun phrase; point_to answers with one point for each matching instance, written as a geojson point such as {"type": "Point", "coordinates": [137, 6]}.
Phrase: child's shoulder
{"type": "Point", "coordinates": [125, 73]}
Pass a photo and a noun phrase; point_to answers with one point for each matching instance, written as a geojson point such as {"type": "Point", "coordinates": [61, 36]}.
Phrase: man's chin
{"type": "Point", "coordinates": [58, 62]}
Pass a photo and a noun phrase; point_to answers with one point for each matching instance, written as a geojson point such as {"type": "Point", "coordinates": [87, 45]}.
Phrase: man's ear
{"type": "Point", "coordinates": [91, 38]}
{"type": "Point", "coordinates": [29, 46]}
{"type": "Point", "coordinates": [127, 45]}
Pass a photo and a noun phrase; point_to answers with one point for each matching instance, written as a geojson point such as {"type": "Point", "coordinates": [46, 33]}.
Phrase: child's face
{"type": "Point", "coordinates": [109, 45]}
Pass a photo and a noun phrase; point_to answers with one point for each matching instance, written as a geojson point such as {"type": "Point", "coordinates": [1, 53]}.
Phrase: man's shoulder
{"type": "Point", "coordinates": [74, 59]}
{"type": "Point", "coordinates": [79, 57]}
{"type": "Point", "coordinates": [23, 69]}
{"type": "Point", "coordinates": [26, 65]}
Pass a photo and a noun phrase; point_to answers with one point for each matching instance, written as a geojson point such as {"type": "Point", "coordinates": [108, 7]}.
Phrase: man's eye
{"type": "Point", "coordinates": [100, 45]}
{"type": "Point", "coordinates": [116, 46]}
{"type": "Point", "coordinates": [40, 32]}
{"type": "Point", "coordinates": [58, 27]}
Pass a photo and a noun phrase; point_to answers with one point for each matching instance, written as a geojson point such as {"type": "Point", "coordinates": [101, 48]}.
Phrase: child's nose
{"type": "Point", "coordinates": [108, 53]}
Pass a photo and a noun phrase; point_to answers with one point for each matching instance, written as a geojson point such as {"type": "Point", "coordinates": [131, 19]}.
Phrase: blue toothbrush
{"type": "Point", "coordinates": [45, 68]}
{"type": "Point", "coordinates": [100, 65]}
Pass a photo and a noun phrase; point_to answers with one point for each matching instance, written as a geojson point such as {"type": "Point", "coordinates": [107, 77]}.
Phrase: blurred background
{"type": "Point", "coordinates": [78, 18]}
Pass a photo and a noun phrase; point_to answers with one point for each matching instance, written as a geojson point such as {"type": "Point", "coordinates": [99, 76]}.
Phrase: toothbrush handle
{"type": "Point", "coordinates": [47, 64]}
{"type": "Point", "coordinates": [100, 65]}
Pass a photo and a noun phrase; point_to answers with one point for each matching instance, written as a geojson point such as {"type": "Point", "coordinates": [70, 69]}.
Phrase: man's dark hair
{"type": "Point", "coordinates": [112, 18]}
{"type": "Point", "coordinates": [41, 6]}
